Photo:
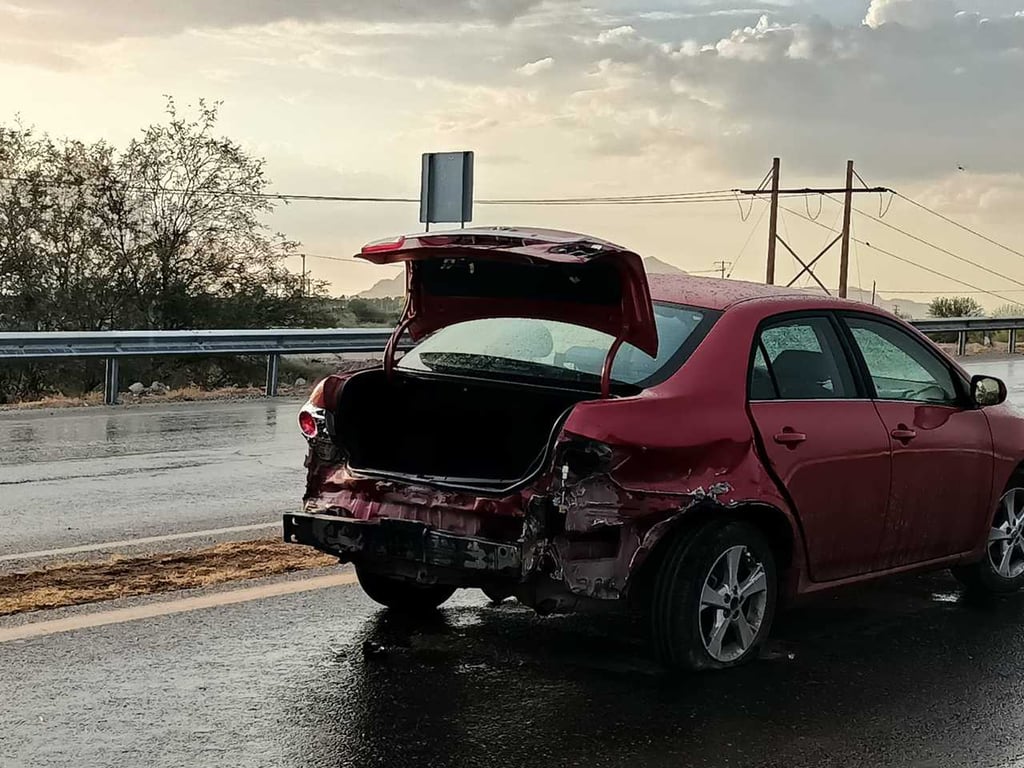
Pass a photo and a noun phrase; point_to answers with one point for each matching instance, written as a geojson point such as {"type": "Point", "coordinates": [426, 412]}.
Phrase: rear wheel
{"type": "Point", "coordinates": [714, 597]}
{"type": "Point", "coordinates": [400, 595]}
{"type": "Point", "coordinates": [1001, 570]}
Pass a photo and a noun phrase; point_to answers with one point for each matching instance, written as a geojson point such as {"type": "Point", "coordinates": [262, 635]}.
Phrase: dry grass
{"type": "Point", "coordinates": [56, 401]}
{"type": "Point", "coordinates": [182, 395]}
{"type": "Point", "coordinates": [80, 582]}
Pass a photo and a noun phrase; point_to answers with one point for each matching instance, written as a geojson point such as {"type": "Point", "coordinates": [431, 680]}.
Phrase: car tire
{"type": "Point", "coordinates": [694, 629]}
{"type": "Point", "coordinates": [1001, 570]}
{"type": "Point", "coordinates": [401, 595]}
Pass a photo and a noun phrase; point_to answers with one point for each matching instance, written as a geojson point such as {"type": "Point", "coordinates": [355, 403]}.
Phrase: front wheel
{"type": "Point", "coordinates": [400, 595]}
{"type": "Point", "coordinates": [714, 597]}
{"type": "Point", "coordinates": [1002, 569]}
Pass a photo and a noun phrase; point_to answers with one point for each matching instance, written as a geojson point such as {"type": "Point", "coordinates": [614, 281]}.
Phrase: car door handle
{"type": "Point", "coordinates": [789, 437]}
{"type": "Point", "coordinates": [903, 433]}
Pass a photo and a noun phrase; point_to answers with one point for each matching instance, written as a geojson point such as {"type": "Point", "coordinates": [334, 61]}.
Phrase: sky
{"type": "Point", "coordinates": [579, 97]}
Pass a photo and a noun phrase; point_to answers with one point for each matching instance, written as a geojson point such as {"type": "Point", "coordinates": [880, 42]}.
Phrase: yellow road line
{"type": "Point", "coordinates": [166, 608]}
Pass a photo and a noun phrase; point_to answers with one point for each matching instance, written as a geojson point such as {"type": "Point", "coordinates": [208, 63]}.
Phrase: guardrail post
{"type": "Point", "coordinates": [1011, 345]}
{"type": "Point", "coordinates": [961, 343]}
{"type": "Point", "coordinates": [273, 363]}
{"type": "Point", "coordinates": [110, 381]}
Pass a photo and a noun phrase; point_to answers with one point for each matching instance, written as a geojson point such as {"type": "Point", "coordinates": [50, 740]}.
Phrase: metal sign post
{"type": "Point", "coordinates": [446, 188]}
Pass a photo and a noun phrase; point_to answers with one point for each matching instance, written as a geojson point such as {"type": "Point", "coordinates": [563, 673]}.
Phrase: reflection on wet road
{"type": "Point", "coordinates": [903, 673]}
{"type": "Point", "coordinates": [87, 475]}
{"type": "Point", "coordinates": [899, 674]}
{"type": "Point", "coordinates": [83, 476]}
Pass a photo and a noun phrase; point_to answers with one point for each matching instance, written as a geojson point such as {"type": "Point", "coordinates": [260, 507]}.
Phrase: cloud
{"type": "Point", "coordinates": [40, 31]}
{"type": "Point", "coordinates": [536, 67]}
{"type": "Point", "coordinates": [910, 13]}
{"type": "Point", "coordinates": [908, 88]}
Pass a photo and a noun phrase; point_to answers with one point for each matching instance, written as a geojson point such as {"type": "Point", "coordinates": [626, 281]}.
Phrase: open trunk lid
{"type": "Point", "coordinates": [476, 273]}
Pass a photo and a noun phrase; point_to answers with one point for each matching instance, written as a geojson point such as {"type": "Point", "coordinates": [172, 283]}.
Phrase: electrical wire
{"type": "Point", "coordinates": [888, 205]}
{"type": "Point", "coordinates": [750, 236]}
{"type": "Point", "coordinates": [939, 248]}
{"type": "Point", "coordinates": [964, 227]}
{"type": "Point", "coordinates": [856, 258]}
{"type": "Point", "coordinates": [673, 198]}
{"type": "Point", "coordinates": [744, 216]}
{"type": "Point", "coordinates": [905, 260]}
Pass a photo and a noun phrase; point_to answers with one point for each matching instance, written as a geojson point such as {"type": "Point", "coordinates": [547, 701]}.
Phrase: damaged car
{"type": "Point", "coordinates": [565, 429]}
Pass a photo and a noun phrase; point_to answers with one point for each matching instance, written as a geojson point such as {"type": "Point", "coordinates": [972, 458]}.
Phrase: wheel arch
{"type": "Point", "coordinates": [778, 528]}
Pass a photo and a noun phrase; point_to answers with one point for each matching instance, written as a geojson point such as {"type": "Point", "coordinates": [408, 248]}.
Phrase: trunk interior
{"type": "Point", "coordinates": [447, 429]}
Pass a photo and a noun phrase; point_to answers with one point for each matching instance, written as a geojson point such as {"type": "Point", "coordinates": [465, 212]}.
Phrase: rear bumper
{"type": "Point", "coordinates": [384, 541]}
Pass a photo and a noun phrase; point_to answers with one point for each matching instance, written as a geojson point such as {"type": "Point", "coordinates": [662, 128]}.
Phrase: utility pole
{"type": "Point", "coordinates": [844, 258]}
{"type": "Point", "coordinates": [873, 284]}
{"type": "Point", "coordinates": [303, 284]}
{"type": "Point", "coordinates": [721, 266]}
{"type": "Point", "coordinates": [775, 192]}
{"type": "Point", "coordinates": [773, 223]}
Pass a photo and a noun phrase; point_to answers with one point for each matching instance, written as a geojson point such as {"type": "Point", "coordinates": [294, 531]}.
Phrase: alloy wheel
{"type": "Point", "coordinates": [732, 604]}
{"type": "Point", "coordinates": [1006, 538]}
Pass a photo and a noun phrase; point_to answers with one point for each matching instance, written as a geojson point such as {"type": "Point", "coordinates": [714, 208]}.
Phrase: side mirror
{"type": "Point", "coordinates": [987, 390]}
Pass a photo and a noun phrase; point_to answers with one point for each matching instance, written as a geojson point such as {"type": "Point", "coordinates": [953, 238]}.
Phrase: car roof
{"type": "Point", "coordinates": [715, 293]}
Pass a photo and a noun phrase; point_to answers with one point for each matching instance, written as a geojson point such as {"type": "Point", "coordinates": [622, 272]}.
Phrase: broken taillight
{"type": "Point", "coordinates": [307, 424]}
{"type": "Point", "coordinates": [325, 393]}
{"type": "Point", "coordinates": [580, 457]}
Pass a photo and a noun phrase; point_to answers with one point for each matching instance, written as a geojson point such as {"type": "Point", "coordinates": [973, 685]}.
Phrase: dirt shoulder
{"type": "Point", "coordinates": [185, 395]}
{"type": "Point", "coordinates": [78, 582]}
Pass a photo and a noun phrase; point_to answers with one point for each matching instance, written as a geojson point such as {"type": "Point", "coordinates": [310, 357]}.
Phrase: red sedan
{"type": "Point", "coordinates": [571, 432]}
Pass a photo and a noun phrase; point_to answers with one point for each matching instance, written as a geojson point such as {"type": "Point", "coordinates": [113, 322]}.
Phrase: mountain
{"type": "Point", "coordinates": [395, 286]}
{"type": "Point", "coordinates": [385, 289]}
{"type": "Point", "coordinates": [905, 307]}
{"type": "Point", "coordinates": [658, 267]}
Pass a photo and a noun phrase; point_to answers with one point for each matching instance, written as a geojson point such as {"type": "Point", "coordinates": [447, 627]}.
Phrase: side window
{"type": "Point", "coordinates": [900, 366]}
{"type": "Point", "coordinates": [761, 385]}
{"type": "Point", "coordinates": [800, 359]}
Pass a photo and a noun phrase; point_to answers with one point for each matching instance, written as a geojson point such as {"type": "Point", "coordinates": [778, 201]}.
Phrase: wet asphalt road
{"type": "Point", "coordinates": [91, 475]}
{"type": "Point", "coordinates": [903, 674]}
{"type": "Point", "coordinates": [87, 476]}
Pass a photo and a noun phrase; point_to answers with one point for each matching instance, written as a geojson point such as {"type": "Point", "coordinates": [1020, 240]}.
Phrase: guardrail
{"type": "Point", "coordinates": [964, 325]}
{"type": "Point", "coordinates": [114, 345]}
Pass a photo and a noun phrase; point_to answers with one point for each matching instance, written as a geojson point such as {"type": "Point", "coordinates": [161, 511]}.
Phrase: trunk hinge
{"type": "Point", "coordinates": [408, 314]}
{"type": "Point", "coordinates": [606, 370]}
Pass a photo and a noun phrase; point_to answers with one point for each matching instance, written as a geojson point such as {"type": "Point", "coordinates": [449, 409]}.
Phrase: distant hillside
{"type": "Point", "coordinates": [395, 286]}
{"type": "Point", "coordinates": [386, 289]}
{"type": "Point", "coordinates": [906, 307]}
{"type": "Point", "coordinates": [658, 267]}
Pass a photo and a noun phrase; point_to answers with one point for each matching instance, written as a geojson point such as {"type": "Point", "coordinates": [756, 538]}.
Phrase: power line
{"type": "Point", "coordinates": [213, 192]}
{"type": "Point", "coordinates": [345, 259]}
{"type": "Point", "coordinates": [964, 227]}
{"type": "Point", "coordinates": [942, 290]}
{"type": "Point", "coordinates": [908, 261]}
{"type": "Point", "coordinates": [933, 245]}
{"type": "Point", "coordinates": [750, 237]}
{"type": "Point", "coordinates": [673, 198]}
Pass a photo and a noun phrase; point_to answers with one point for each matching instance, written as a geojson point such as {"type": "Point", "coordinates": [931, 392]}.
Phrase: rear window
{"type": "Point", "coordinates": [516, 347]}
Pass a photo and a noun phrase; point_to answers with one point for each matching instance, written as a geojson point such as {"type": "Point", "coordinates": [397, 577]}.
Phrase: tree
{"type": "Point", "coordinates": [168, 233]}
{"type": "Point", "coordinates": [186, 209]}
{"type": "Point", "coordinates": [1008, 310]}
{"type": "Point", "coordinates": [955, 306]}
